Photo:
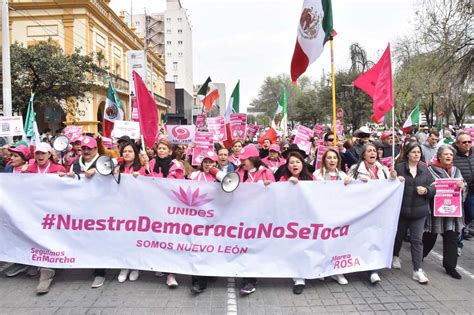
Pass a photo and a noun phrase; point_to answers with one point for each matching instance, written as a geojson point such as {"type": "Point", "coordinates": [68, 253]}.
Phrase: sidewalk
{"type": "Point", "coordinates": [397, 293]}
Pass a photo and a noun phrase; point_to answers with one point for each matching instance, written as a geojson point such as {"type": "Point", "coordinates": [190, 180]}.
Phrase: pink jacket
{"type": "Point", "coordinates": [274, 165]}
{"type": "Point", "coordinates": [50, 168]}
{"type": "Point", "coordinates": [176, 170]}
{"type": "Point", "coordinates": [129, 170]}
{"type": "Point", "coordinates": [234, 160]}
{"type": "Point", "coordinates": [284, 179]}
{"type": "Point", "coordinates": [256, 176]}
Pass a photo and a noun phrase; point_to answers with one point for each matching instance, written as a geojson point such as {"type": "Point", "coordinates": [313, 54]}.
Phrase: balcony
{"type": "Point", "coordinates": [102, 79]}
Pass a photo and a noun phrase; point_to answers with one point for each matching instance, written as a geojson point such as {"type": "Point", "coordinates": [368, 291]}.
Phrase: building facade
{"type": "Point", "coordinates": [96, 29]}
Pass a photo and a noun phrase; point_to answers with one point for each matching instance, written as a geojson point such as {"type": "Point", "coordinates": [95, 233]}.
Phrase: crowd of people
{"type": "Point", "coordinates": [420, 158]}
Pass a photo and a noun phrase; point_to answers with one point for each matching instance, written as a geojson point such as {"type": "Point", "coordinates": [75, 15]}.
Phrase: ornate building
{"type": "Point", "coordinates": [95, 28]}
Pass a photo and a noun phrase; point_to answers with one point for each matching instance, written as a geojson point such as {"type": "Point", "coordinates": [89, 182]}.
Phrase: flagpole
{"type": "Point", "coordinates": [333, 91]}
{"type": "Point", "coordinates": [393, 137]}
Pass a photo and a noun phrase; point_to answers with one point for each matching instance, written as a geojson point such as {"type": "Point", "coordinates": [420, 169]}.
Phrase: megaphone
{"type": "Point", "coordinates": [229, 181]}
{"type": "Point", "coordinates": [105, 165]}
{"type": "Point", "coordinates": [61, 143]}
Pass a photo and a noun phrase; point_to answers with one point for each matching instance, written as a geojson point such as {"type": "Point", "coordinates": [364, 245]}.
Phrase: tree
{"type": "Point", "coordinates": [54, 77]}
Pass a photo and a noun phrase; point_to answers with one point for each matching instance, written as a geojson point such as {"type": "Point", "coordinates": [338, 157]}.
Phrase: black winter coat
{"type": "Point", "coordinates": [414, 205]}
{"type": "Point", "coordinates": [466, 165]}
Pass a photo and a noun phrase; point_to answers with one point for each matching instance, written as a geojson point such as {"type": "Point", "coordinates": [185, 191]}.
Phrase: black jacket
{"type": "Point", "coordinates": [414, 205]}
{"type": "Point", "coordinates": [466, 165]}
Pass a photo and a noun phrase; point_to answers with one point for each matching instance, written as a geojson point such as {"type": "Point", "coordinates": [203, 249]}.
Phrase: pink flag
{"type": "Point", "coordinates": [147, 111]}
{"type": "Point", "coordinates": [378, 84]}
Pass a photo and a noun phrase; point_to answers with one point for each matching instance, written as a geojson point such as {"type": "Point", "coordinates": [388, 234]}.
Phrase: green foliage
{"type": "Point", "coordinates": [46, 71]}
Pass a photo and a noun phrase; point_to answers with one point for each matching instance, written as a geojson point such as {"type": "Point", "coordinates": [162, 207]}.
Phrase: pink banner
{"type": "Point", "coordinates": [216, 126]}
{"type": "Point", "coordinates": [447, 201]}
{"type": "Point", "coordinates": [201, 121]}
{"type": "Point", "coordinates": [303, 138]}
{"type": "Point", "coordinates": [238, 125]}
{"type": "Point", "coordinates": [202, 143]}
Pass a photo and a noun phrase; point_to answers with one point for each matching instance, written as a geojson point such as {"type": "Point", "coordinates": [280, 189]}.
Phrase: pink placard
{"type": "Point", "coordinates": [303, 138]}
{"type": "Point", "coordinates": [216, 126]}
{"type": "Point", "coordinates": [318, 130]}
{"type": "Point", "coordinates": [319, 157]}
{"type": "Point", "coordinates": [238, 125]}
{"type": "Point", "coordinates": [200, 121]}
{"type": "Point", "coordinates": [202, 143]}
{"type": "Point", "coordinates": [252, 130]}
{"type": "Point", "coordinates": [470, 131]}
{"type": "Point", "coordinates": [447, 201]}
{"type": "Point", "coordinates": [73, 132]}
{"type": "Point", "coordinates": [387, 161]}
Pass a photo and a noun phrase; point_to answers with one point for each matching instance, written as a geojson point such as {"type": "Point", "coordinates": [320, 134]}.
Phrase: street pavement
{"type": "Point", "coordinates": [397, 293]}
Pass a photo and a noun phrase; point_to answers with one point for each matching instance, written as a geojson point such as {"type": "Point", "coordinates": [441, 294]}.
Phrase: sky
{"type": "Point", "coordinates": [252, 39]}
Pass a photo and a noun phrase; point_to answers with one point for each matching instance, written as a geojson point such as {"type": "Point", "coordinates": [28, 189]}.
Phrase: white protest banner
{"type": "Point", "coordinates": [303, 138]}
{"type": "Point", "coordinates": [216, 126]}
{"type": "Point", "coordinates": [73, 132]}
{"type": "Point", "coordinates": [447, 201]}
{"type": "Point", "coordinates": [203, 143]}
{"type": "Point", "coordinates": [201, 121]}
{"type": "Point", "coordinates": [191, 227]}
{"type": "Point", "coordinates": [252, 131]}
{"type": "Point", "coordinates": [126, 128]}
{"type": "Point", "coordinates": [181, 133]}
{"type": "Point", "coordinates": [238, 125]}
{"type": "Point", "coordinates": [11, 126]}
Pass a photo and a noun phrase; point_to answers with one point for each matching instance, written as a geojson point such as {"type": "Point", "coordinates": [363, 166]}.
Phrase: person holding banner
{"type": "Point", "coordinates": [369, 168]}
{"type": "Point", "coordinates": [415, 207]}
{"type": "Point", "coordinates": [179, 153]}
{"type": "Point", "coordinates": [294, 171]}
{"type": "Point", "coordinates": [449, 227]}
{"type": "Point", "coordinates": [237, 146]}
{"type": "Point", "coordinates": [18, 158]}
{"type": "Point", "coordinates": [43, 163]}
{"type": "Point", "coordinates": [223, 161]}
{"type": "Point", "coordinates": [163, 165]}
{"type": "Point", "coordinates": [273, 160]}
{"type": "Point", "coordinates": [252, 170]}
{"type": "Point", "coordinates": [293, 148]}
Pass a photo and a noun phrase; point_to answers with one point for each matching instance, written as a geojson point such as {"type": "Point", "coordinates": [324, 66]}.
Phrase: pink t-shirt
{"type": "Point", "coordinates": [49, 168]}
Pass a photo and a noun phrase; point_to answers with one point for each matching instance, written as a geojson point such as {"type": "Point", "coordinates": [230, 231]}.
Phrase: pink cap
{"type": "Point", "coordinates": [43, 147]}
{"type": "Point", "coordinates": [210, 155]}
{"type": "Point", "coordinates": [386, 134]}
{"type": "Point", "coordinates": [88, 142]}
{"type": "Point", "coordinates": [248, 151]}
{"type": "Point", "coordinates": [22, 150]}
{"type": "Point", "coordinates": [274, 147]}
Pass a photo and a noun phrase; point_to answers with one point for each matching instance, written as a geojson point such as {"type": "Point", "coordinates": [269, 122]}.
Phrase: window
{"type": "Point", "coordinates": [175, 66]}
{"type": "Point", "coordinates": [180, 54]}
{"type": "Point", "coordinates": [175, 78]}
{"type": "Point", "coordinates": [137, 23]}
{"type": "Point", "coordinates": [180, 42]}
{"type": "Point", "coordinates": [168, 54]}
{"type": "Point", "coordinates": [168, 42]}
{"type": "Point", "coordinates": [180, 31]}
{"type": "Point", "coordinates": [168, 31]}
{"type": "Point", "coordinates": [168, 19]}
{"type": "Point", "coordinates": [180, 19]}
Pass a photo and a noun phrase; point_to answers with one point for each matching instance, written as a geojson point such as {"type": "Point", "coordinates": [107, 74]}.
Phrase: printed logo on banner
{"type": "Point", "coordinates": [191, 198]}
{"type": "Point", "coordinates": [46, 255]}
{"type": "Point", "coordinates": [344, 261]}
{"type": "Point", "coordinates": [180, 133]}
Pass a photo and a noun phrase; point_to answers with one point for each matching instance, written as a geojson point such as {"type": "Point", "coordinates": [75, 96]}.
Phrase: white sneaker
{"type": "Point", "coordinates": [171, 281]}
{"type": "Point", "coordinates": [98, 282]}
{"type": "Point", "coordinates": [420, 276]}
{"type": "Point", "coordinates": [134, 275]}
{"type": "Point", "coordinates": [459, 251]}
{"type": "Point", "coordinates": [122, 277]}
{"type": "Point", "coordinates": [374, 278]}
{"type": "Point", "coordinates": [159, 274]}
{"type": "Point", "coordinates": [340, 279]}
{"type": "Point", "coordinates": [396, 262]}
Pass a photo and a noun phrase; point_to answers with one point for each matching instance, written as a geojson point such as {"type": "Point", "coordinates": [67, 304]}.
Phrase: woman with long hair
{"type": "Point", "coordinates": [236, 149]}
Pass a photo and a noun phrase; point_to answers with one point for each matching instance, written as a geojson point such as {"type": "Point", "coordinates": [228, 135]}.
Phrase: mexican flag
{"type": "Point", "coordinates": [314, 30]}
{"type": "Point", "coordinates": [413, 119]}
{"type": "Point", "coordinates": [234, 103]}
{"type": "Point", "coordinates": [30, 127]}
{"type": "Point", "coordinates": [280, 119]}
{"type": "Point", "coordinates": [113, 110]}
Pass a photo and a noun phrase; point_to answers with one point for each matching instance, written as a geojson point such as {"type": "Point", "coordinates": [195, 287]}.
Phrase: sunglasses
{"type": "Point", "coordinates": [331, 139]}
{"type": "Point", "coordinates": [466, 142]}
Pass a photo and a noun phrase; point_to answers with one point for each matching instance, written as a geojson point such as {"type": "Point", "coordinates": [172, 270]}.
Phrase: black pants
{"type": "Point", "coordinates": [99, 272]}
{"type": "Point", "coordinates": [416, 232]}
{"type": "Point", "coordinates": [199, 280]}
{"type": "Point", "coordinates": [450, 247]}
{"type": "Point", "coordinates": [249, 280]}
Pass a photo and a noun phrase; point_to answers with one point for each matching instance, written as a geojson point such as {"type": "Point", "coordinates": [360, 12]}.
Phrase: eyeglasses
{"type": "Point", "coordinates": [466, 142]}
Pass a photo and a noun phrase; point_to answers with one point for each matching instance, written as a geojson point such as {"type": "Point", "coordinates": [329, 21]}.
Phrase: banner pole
{"type": "Point", "coordinates": [333, 80]}
{"type": "Point", "coordinates": [393, 137]}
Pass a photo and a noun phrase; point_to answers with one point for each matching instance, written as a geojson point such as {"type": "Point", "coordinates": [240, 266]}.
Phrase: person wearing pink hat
{"type": "Point", "coordinates": [274, 160]}
{"type": "Point", "coordinates": [252, 170]}
{"type": "Point", "coordinates": [43, 163]}
{"type": "Point", "coordinates": [18, 159]}
{"type": "Point", "coordinates": [209, 161]}
{"type": "Point", "coordinates": [86, 163]}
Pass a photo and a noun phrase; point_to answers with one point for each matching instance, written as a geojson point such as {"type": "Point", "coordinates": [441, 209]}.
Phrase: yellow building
{"type": "Point", "coordinates": [95, 28]}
